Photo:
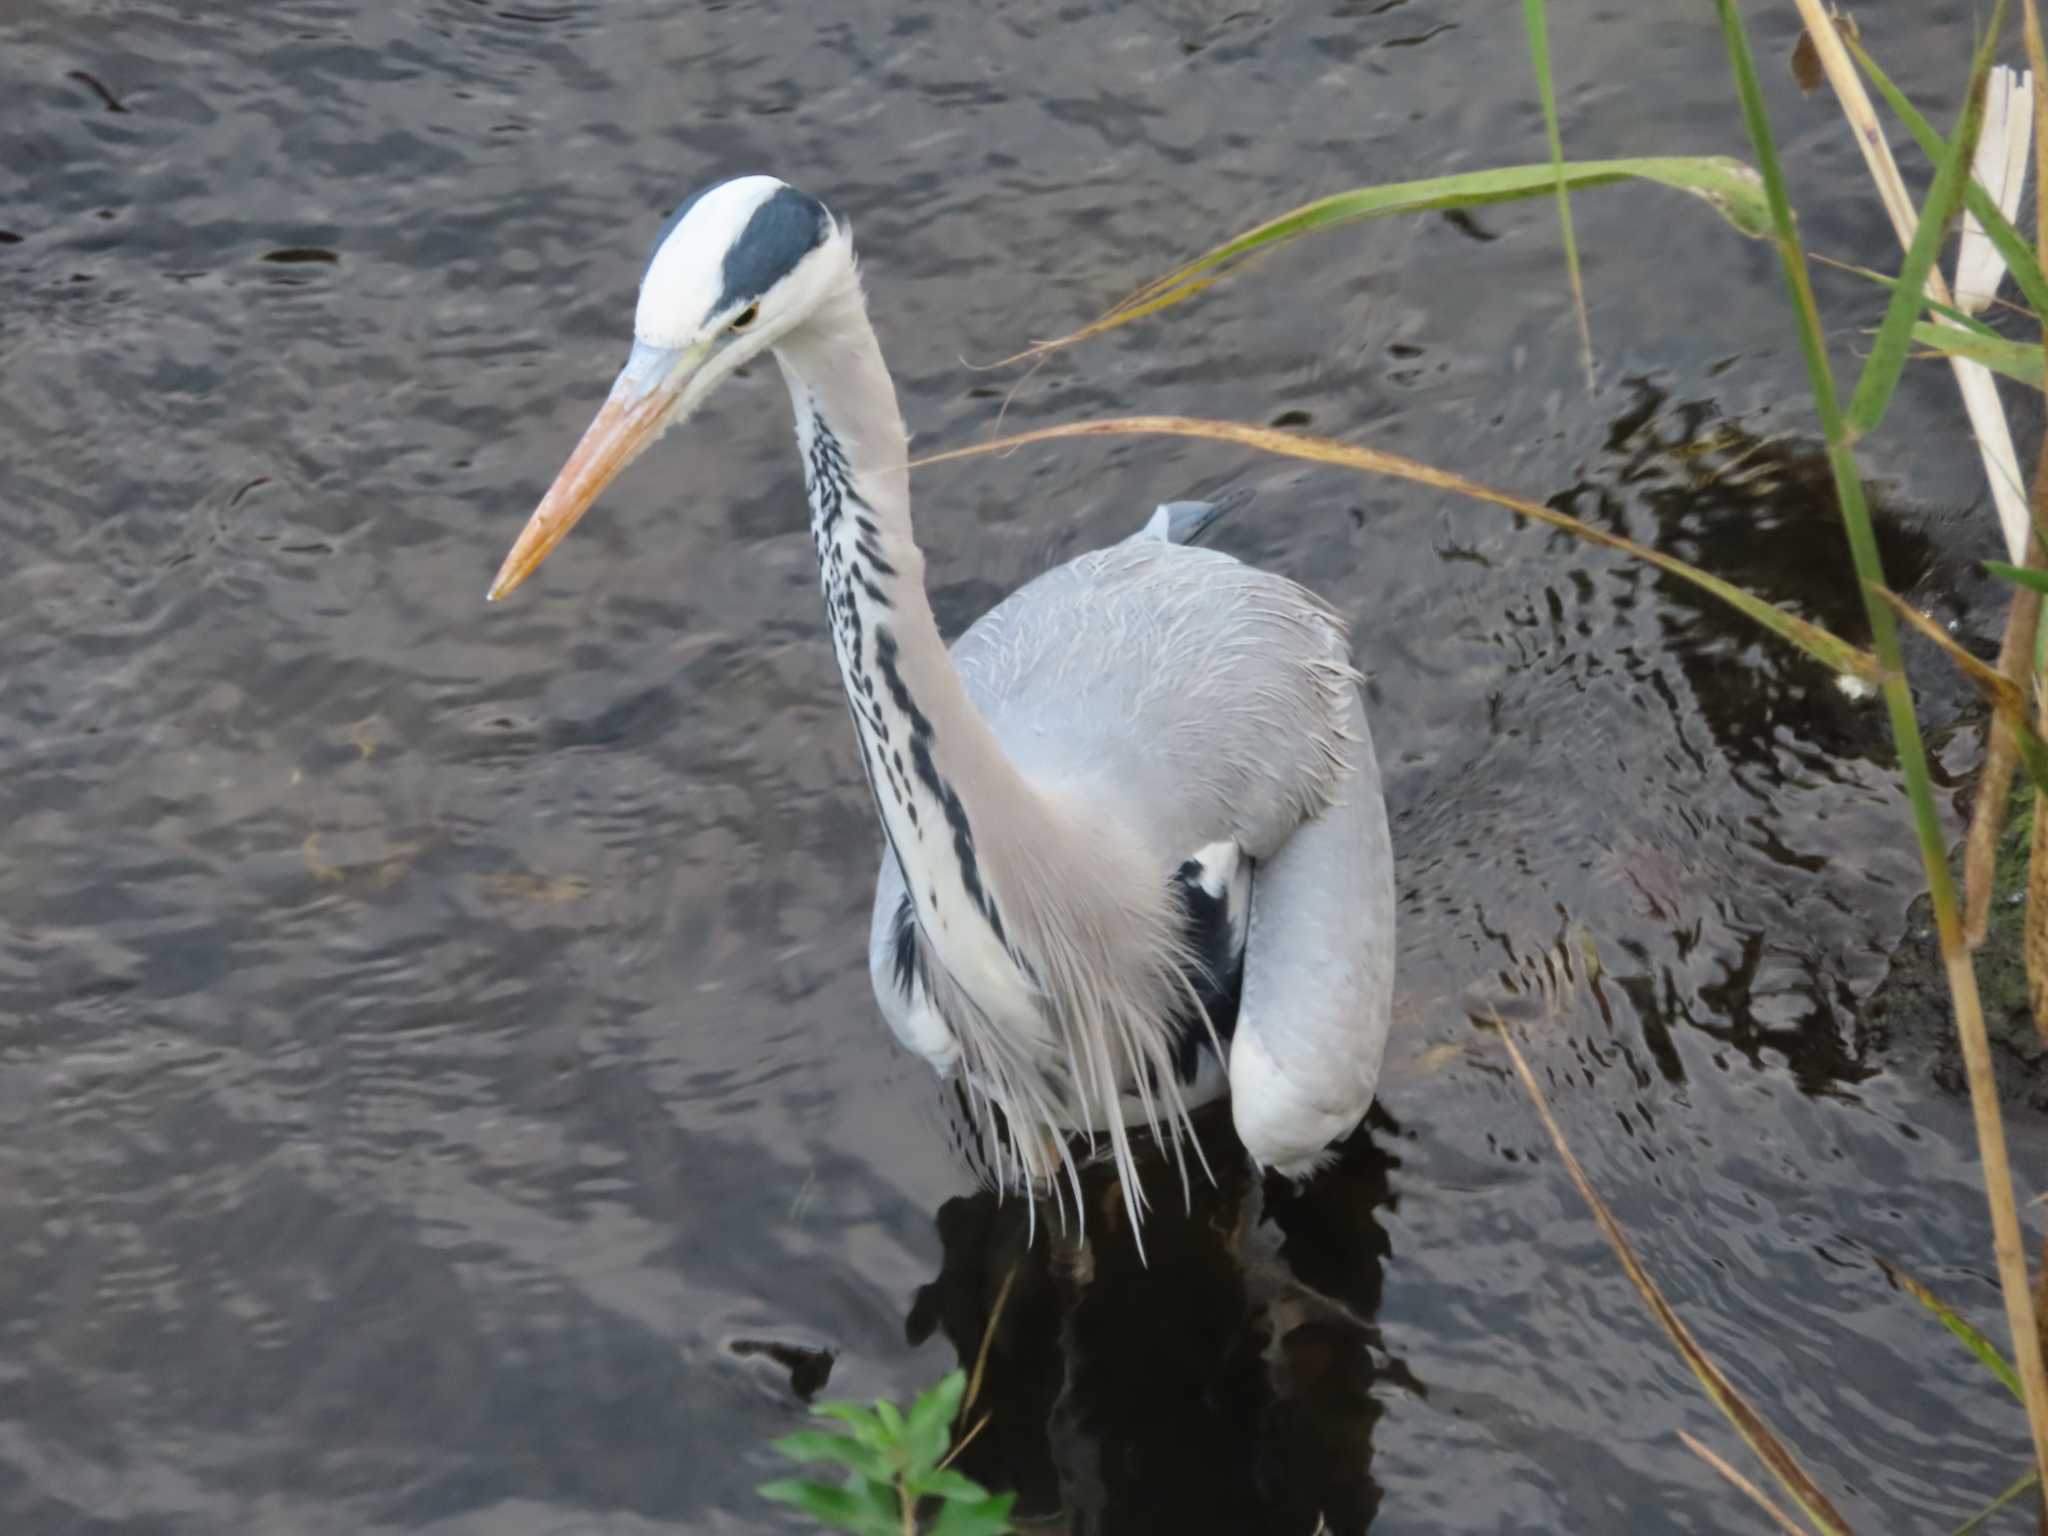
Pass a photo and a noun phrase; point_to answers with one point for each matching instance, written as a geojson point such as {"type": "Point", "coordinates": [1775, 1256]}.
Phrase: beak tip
{"type": "Point", "coordinates": [625, 425]}
{"type": "Point", "coordinates": [503, 583]}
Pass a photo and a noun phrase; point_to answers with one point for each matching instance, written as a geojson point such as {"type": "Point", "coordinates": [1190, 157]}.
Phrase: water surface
{"type": "Point", "coordinates": [434, 1035]}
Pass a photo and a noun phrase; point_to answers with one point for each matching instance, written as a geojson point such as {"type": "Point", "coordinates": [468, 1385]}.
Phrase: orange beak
{"type": "Point", "coordinates": [641, 405]}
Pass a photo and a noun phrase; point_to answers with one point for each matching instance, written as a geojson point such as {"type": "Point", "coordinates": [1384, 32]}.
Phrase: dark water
{"type": "Point", "coordinates": [434, 1035]}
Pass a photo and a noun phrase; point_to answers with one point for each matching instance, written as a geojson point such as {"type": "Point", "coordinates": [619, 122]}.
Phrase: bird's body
{"type": "Point", "coordinates": [1146, 687]}
{"type": "Point", "coordinates": [1136, 848]}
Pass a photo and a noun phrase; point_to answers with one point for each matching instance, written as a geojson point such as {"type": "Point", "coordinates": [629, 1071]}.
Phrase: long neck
{"type": "Point", "coordinates": [1061, 962]}
{"type": "Point", "coordinates": [949, 799]}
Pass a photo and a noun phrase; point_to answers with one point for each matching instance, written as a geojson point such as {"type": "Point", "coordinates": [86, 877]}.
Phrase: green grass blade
{"type": "Point", "coordinates": [2025, 576]}
{"type": "Point", "coordinates": [2019, 360]}
{"type": "Point", "coordinates": [1994, 1161]}
{"type": "Point", "coordinates": [1887, 360]}
{"type": "Point", "coordinates": [1539, 56]}
{"type": "Point", "coordinates": [1727, 185]}
{"type": "Point", "coordinates": [1997, 1504]}
{"type": "Point", "coordinates": [1979, 1346]}
{"type": "Point", "coordinates": [1949, 312]}
{"type": "Point", "coordinates": [1784, 228]}
{"type": "Point", "coordinates": [2019, 256]}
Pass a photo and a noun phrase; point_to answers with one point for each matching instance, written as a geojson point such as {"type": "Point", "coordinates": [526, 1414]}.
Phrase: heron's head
{"type": "Point", "coordinates": [736, 268]}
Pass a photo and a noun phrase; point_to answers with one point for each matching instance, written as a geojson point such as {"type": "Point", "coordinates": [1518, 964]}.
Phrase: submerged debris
{"type": "Point", "coordinates": [809, 1366]}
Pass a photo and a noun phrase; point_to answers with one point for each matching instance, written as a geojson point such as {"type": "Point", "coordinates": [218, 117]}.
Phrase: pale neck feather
{"type": "Point", "coordinates": [1058, 946]}
{"type": "Point", "coordinates": [901, 683]}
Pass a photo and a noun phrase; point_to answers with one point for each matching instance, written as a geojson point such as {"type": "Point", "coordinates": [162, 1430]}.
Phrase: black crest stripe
{"type": "Point", "coordinates": [784, 230]}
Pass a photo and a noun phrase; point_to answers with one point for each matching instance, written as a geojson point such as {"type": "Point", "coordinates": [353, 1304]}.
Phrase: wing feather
{"type": "Point", "coordinates": [1318, 977]}
{"type": "Point", "coordinates": [1198, 700]}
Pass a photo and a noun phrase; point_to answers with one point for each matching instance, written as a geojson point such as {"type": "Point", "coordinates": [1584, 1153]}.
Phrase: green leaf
{"type": "Point", "coordinates": [2032, 1477]}
{"type": "Point", "coordinates": [892, 1420]}
{"type": "Point", "coordinates": [945, 1483]}
{"type": "Point", "coordinates": [2012, 245]}
{"type": "Point", "coordinates": [2024, 576]}
{"type": "Point", "coordinates": [930, 1428]}
{"type": "Point", "coordinates": [822, 1445]}
{"type": "Point", "coordinates": [1980, 1346]}
{"type": "Point", "coordinates": [842, 1507]}
{"type": "Point", "coordinates": [867, 1429]}
{"type": "Point", "coordinates": [2019, 360]}
{"type": "Point", "coordinates": [991, 1517]}
{"type": "Point", "coordinates": [1880, 377]}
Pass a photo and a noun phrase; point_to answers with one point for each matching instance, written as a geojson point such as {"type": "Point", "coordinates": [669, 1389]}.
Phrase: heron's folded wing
{"type": "Point", "coordinates": [1318, 975]}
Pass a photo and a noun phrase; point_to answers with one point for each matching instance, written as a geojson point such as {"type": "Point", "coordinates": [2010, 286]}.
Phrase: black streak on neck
{"type": "Point", "coordinates": [934, 782]}
{"type": "Point", "coordinates": [847, 580]}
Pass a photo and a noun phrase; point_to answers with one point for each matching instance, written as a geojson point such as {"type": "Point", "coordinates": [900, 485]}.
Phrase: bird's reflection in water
{"type": "Point", "coordinates": [1224, 1384]}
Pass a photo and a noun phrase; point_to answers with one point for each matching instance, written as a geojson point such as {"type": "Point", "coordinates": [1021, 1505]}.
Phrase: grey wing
{"type": "Point", "coordinates": [1318, 976]}
{"type": "Point", "coordinates": [1201, 699]}
{"type": "Point", "coordinates": [1191, 696]}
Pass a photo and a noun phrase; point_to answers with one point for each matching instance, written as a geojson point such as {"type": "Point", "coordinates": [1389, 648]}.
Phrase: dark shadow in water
{"type": "Point", "coordinates": [1225, 1384]}
{"type": "Point", "coordinates": [1759, 509]}
{"type": "Point", "coordinates": [1760, 512]}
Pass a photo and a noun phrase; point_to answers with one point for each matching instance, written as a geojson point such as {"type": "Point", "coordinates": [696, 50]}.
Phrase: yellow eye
{"type": "Point", "coordinates": [745, 317]}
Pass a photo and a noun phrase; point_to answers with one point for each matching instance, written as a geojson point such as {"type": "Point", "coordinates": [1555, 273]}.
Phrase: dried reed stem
{"type": "Point", "coordinates": [1974, 380]}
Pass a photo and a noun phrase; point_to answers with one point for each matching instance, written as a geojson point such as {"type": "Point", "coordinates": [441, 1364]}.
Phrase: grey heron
{"type": "Point", "coordinates": [1136, 852]}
